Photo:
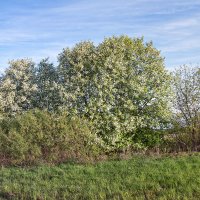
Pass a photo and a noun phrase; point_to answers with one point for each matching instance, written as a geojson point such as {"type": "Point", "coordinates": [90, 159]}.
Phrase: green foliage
{"type": "Point", "coordinates": [139, 178]}
{"type": "Point", "coordinates": [149, 137]}
{"type": "Point", "coordinates": [41, 136]}
{"type": "Point", "coordinates": [121, 86]}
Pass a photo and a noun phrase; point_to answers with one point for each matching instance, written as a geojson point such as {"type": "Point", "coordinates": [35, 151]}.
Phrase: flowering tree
{"type": "Point", "coordinates": [17, 87]}
{"type": "Point", "coordinates": [121, 85]}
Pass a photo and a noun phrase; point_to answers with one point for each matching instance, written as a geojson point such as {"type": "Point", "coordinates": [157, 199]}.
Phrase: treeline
{"type": "Point", "coordinates": [112, 97]}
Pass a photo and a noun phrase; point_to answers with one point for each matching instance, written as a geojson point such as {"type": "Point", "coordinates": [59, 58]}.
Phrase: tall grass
{"type": "Point", "coordinates": [138, 178]}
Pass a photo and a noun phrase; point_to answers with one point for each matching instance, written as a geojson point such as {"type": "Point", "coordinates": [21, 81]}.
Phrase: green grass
{"type": "Point", "coordinates": [138, 178]}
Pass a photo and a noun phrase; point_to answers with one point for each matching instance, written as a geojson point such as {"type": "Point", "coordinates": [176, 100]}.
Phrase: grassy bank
{"type": "Point", "coordinates": [138, 178]}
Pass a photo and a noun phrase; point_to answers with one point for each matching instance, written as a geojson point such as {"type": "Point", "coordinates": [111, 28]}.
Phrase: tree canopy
{"type": "Point", "coordinates": [121, 85]}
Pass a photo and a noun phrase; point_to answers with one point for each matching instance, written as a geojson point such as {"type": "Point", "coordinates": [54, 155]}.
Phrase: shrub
{"type": "Point", "coordinates": [42, 136]}
{"type": "Point", "coordinates": [181, 139]}
{"type": "Point", "coordinates": [148, 138]}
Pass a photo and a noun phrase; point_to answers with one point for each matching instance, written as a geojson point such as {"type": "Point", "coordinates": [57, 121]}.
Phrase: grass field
{"type": "Point", "coordinates": [139, 178]}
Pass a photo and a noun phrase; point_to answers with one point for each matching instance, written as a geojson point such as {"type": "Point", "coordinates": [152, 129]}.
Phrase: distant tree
{"type": "Point", "coordinates": [17, 87]}
{"type": "Point", "coordinates": [121, 85]}
{"type": "Point", "coordinates": [46, 78]}
{"type": "Point", "coordinates": [187, 93]}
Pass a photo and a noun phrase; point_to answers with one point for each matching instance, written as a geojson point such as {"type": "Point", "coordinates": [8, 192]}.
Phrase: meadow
{"type": "Point", "coordinates": [142, 177]}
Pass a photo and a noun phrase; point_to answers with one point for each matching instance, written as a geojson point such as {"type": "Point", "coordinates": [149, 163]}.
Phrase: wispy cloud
{"type": "Point", "coordinates": [186, 23]}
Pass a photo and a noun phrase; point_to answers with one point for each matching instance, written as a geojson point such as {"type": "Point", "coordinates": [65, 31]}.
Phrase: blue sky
{"type": "Point", "coordinates": [42, 28]}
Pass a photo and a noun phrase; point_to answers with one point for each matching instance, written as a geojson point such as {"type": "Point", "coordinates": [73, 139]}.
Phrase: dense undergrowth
{"type": "Point", "coordinates": [39, 136]}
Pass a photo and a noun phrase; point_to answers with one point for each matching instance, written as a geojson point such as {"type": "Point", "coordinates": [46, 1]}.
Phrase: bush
{"type": "Point", "coordinates": [42, 136]}
{"type": "Point", "coordinates": [148, 138]}
{"type": "Point", "coordinates": [181, 139]}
